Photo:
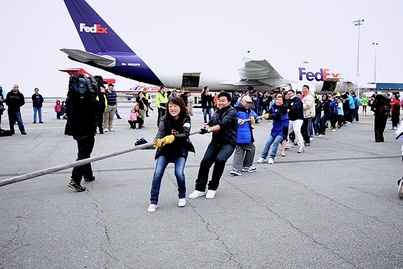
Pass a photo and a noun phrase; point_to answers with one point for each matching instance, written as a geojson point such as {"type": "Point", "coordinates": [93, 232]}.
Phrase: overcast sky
{"type": "Point", "coordinates": [196, 35]}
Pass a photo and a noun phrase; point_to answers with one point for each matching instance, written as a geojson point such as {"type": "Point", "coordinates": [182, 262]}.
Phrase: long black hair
{"type": "Point", "coordinates": [179, 102]}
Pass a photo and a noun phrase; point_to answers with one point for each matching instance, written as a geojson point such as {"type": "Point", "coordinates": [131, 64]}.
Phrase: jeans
{"type": "Point", "coordinates": [37, 110]}
{"type": "Point", "coordinates": [85, 146]}
{"type": "Point", "coordinates": [206, 111]}
{"type": "Point", "coordinates": [15, 117]}
{"type": "Point", "coordinates": [275, 141]}
{"type": "Point", "coordinates": [217, 154]}
{"type": "Point", "coordinates": [316, 123]}
{"type": "Point", "coordinates": [324, 122]}
{"type": "Point", "coordinates": [310, 126]}
{"type": "Point", "coordinates": [160, 166]}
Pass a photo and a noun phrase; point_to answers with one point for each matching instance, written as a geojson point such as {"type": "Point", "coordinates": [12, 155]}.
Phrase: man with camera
{"type": "Point", "coordinates": [82, 111]}
{"type": "Point", "coordinates": [15, 100]}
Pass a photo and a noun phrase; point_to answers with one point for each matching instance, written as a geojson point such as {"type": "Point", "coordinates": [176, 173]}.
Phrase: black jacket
{"type": "Point", "coordinates": [295, 106]}
{"type": "Point", "coordinates": [14, 101]}
{"type": "Point", "coordinates": [82, 111]}
{"type": "Point", "coordinates": [228, 120]}
{"type": "Point", "coordinates": [37, 100]}
{"type": "Point", "coordinates": [181, 145]}
{"type": "Point", "coordinates": [207, 101]}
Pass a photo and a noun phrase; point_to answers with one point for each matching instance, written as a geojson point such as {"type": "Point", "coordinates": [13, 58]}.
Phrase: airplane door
{"type": "Point", "coordinates": [190, 80]}
{"type": "Point", "coordinates": [329, 85]}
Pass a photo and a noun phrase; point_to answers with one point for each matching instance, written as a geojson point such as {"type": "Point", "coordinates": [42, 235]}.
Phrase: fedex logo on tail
{"type": "Point", "coordinates": [322, 75]}
{"type": "Point", "coordinates": [95, 29]}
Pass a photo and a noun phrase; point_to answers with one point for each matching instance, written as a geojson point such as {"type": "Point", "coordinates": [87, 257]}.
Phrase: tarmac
{"type": "Point", "coordinates": [333, 206]}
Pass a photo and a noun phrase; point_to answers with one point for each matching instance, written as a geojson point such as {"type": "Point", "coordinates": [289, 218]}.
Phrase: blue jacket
{"type": "Point", "coordinates": [279, 115]}
{"type": "Point", "coordinates": [334, 106]}
{"type": "Point", "coordinates": [245, 134]}
{"type": "Point", "coordinates": [352, 103]}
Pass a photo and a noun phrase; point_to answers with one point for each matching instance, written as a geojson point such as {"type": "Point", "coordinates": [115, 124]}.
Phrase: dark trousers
{"type": "Point", "coordinates": [305, 131]}
{"type": "Point", "coordinates": [379, 127]}
{"type": "Point", "coordinates": [161, 112]}
{"type": "Point", "coordinates": [324, 122]}
{"type": "Point", "coordinates": [395, 119]}
{"type": "Point", "coordinates": [217, 154]}
{"type": "Point", "coordinates": [85, 146]}
{"type": "Point", "coordinates": [132, 123]}
{"type": "Point", "coordinates": [100, 122]}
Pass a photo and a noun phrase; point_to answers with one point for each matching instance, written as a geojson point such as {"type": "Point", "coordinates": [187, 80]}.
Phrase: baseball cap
{"type": "Point", "coordinates": [247, 99]}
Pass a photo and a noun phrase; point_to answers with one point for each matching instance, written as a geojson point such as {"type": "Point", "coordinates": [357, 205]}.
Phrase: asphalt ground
{"type": "Point", "coordinates": [333, 206]}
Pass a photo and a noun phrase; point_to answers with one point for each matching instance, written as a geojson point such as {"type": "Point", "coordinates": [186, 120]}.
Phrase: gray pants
{"type": "Point", "coordinates": [243, 156]}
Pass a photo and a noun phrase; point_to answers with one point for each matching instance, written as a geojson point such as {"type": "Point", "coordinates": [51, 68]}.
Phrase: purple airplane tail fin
{"type": "Point", "coordinates": [95, 33]}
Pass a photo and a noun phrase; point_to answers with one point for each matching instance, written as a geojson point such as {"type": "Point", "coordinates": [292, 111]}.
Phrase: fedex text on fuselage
{"type": "Point", "coordinates": [321, 75]}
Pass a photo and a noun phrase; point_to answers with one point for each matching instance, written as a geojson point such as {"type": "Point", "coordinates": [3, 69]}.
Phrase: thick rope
{"type": "Point", "coordinates": [46, 171]}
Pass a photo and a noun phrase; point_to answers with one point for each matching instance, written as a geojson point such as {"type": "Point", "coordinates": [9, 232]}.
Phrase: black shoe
{"type": "Point", "coordinates": [92, 178]}
{"type": "Point", "coordinates": [41, 122]}
{"type": "Point", "coordinates": [76, 186]}
{"type": "Point", "coordinates": [119, 118]}
{"type": "Point", "coordinates": [34, 122]}
{"type": "Point", "coordinates": [23, 133]}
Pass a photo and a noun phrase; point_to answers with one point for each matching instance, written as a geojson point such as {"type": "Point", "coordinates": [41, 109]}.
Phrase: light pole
{"type": "Point", "coordinates": [375, 44]}
{"type": "Point", "coordinates": [358, 23]}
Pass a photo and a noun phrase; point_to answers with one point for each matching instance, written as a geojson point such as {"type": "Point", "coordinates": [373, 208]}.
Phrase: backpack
{"type": "Point", "coordinates": [81, 85]}
{"type": "Point", "coordinates": [384, 108]}
{"type": "Point", "coordinates": [5, 132]}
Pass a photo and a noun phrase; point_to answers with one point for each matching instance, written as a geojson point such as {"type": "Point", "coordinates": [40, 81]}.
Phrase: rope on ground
{"type": "Point", "coordinates": [46, 171]}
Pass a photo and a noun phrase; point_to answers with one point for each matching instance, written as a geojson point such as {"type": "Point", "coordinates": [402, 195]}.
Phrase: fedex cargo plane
{"type": "Point", "coordinates": [104, 49]}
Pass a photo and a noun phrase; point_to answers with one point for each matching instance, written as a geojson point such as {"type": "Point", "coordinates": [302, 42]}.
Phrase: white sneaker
{"type": "Point", "coordinates": [210, 194]}
{"type": "Point", "coordinates": [196, 194]}
{"type": "Point", "coordinates": [261, 160]}
{"type": "Point", "coordinates": [271, 161]}
{"type": "Point", "coordinates": [289, 146]}
{"type": "Point", "coordinates": [400, 189]}
{"type": "Point", "coordinates": [111, 130]}
{"type": "Point", "coordinates": [249, 169]}
{"type": "Point", "coordinates": [236, 172]}
{"type": "Point", "coordinates": [152, 208]}
{"type": "Point", "coordinates": [301, 149]}
{"type": "Point", "coordinates": [182, 202]}
{"type": "Point", "coordinates": [106, 130]}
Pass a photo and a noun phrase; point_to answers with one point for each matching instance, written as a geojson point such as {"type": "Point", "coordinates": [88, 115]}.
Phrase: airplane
{"type": "Point", "coordinates": [129, 94]}
{"type": "Point", "coordinates": [81, 71]}
{"type": "Point", "coordinates": [104, 49]}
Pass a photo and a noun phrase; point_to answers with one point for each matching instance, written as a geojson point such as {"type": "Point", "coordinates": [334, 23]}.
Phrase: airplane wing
{"type": "Point", "coordinates": [258, 73]}
{"type": "Point", "coordinates": [258, 70]}
{"type": "Point", "coordinates": [88, 57]}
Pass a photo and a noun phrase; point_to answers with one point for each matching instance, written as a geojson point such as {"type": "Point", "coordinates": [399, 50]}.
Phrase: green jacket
{"type": "Point", "coordinates": [162, 98]}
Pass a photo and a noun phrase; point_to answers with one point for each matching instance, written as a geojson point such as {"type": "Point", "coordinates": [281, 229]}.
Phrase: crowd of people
{"type": "Point", "coordinates": [297, 117]}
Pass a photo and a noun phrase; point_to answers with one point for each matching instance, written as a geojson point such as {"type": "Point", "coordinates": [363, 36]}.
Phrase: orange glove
{"type": "Point", "coordinates": [266, 116]}
{"type": "Point", "coordinates": [168, 139]}
{"type": "Point", "coordinates": [252, 119]}
{"type": "Point", "coordinates": [241, 121]}
{"type": "Point", "coordinates": [158, 143]}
